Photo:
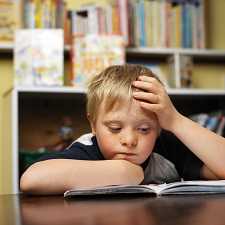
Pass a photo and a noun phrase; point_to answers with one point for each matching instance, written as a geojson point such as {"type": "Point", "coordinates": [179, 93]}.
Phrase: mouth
{"type": "Point", "coordinates": [125, 155]}
{"type": "Point", "coordinates": [128, 156]}
{"type": "Point", "coordinates": [128, 153]}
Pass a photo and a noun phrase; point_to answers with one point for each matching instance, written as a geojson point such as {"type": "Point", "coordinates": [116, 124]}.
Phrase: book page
{"type": "Point", "coordinates": [111, 190]}
{"type": "Point", "coordinates": [183, 187]}
{"type": "Point", "coordinates": [198, 186]}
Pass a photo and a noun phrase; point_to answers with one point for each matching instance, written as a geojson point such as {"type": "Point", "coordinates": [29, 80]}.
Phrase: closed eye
{"type": "Point", "coordinates": [114, 129]}
{"type": "Point", "coordinates": [144, 130]}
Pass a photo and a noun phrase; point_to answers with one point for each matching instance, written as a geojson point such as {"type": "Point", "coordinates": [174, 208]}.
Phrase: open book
{"type": "Point", "coordinates": [183, 187]}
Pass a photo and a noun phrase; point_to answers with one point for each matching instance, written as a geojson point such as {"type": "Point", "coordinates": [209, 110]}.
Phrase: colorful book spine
{"type": "Point", "coordinates": [123, 14]}
{"type": "Point", "coordinates": [141, 14]}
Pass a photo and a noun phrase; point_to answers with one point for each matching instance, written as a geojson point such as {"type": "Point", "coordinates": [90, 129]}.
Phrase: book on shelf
{"type": "Point", "coordinates": [111, 19]}
{"type": "Point", "coordinates": [175, 188]}
{"type": "Point", "coordinates": [168, 23]}
{"type": "Point", "coordinates": [38, 57]}
{"type": "Point", "coordinates": [10, 19]}
{"type": "Point", "coordinates": [93, 53]}
{"type": "Point", "coordinates": [44, 14]}
{"type": "Point", "coordinates": [221, 127]}
{"type": "Point", "coordinates": [214, 121]}
{"type": "Point", "coordinates": [164, 23]}
{"type": "Point", "coordinates": [186, 68]}
{"type": "Point", "coordinates": [186, 71]}
{"type": "Point", "coordinates": [155, 68]}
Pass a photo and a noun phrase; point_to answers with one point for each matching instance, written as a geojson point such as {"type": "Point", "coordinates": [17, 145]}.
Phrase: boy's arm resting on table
{"type": "Point", "coordinates": [55, 176]}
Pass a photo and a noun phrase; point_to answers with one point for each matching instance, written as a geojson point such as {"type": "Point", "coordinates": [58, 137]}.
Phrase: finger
{"type": "Point", "coordinates": [146, 96]}
{"type": "Point", "coordinates": [145, 86]}
{"type": "Point", "coordinates": [154, 80]}
{"type": "Point", "coordinates": [149, 79]}
{"type": "Point", "coordinates": [151, 107]}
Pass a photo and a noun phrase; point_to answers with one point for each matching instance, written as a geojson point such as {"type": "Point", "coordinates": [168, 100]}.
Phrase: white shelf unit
{"type": "Point", "coordinates": [11, 100]}
{"type": "Point", "coordinates": [208, 55]}
{"type": "Point", "coordinates": [6, 48]}
{"type": "Point", "coordinates": [73, 90]}
{"type": "Point", "coordinates": [184, 51]}
{"type": "Point", "coordinates": [175, 53]}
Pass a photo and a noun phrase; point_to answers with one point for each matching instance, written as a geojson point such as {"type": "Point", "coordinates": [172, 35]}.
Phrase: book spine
{"type": "Point", "coordinates": [162, 35]}
{"type": "Point", "coordinates": [141, 14]}
{"type": "Point", "coordinates": [155, 23]}
{"type": "Point", "coordinates": [29, 14]}
{"type": "Point", "coordinates": [123, 12]}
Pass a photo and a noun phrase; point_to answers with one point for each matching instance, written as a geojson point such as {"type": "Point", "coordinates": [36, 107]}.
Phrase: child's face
{"type": "Point", "coordinates": [126, 132]}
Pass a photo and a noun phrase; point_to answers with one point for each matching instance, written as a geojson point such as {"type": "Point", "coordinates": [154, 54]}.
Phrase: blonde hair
{"type": "Point", "coordinates": [112, 85]}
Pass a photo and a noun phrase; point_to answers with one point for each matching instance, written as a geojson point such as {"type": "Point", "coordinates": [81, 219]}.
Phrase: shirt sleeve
{"type": "Point", "coordinates": [76, 151]}
{"type": "Point", "coordinates": [187, 164]}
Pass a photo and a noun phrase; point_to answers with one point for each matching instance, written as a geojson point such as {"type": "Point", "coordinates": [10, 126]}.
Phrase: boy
{"type": "Point", "coordinates": [137, 137]}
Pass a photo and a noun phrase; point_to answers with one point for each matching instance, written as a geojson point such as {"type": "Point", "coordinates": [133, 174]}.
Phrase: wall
{"type": "Point", "coordinates": [6, 69]}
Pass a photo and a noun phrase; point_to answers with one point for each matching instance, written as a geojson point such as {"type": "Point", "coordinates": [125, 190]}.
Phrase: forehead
{"type": "Point", "coordinates": [129, 110]}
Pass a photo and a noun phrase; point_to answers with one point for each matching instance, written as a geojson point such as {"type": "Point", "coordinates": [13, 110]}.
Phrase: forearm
{"type": "Point", "coordinates": [57, 175]}
{"type": "Point", "coordinates": [208, 146]}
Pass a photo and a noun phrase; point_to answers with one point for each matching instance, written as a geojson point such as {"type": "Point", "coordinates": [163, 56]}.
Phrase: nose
{"type": "Point", "coordinates": [128, 139]}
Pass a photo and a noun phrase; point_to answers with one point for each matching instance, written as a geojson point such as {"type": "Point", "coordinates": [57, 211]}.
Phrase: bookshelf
{"type": "Point", "coordinates": [210, 56]}
{"type": "Point", "coordinates": [16, 101]}
{"type": "Point", "coordinates": [6, 48]}
{"type": "Point", "coordinates": [204, 53]}
{"type": "Point", "coordinates": [197, 55]}
{"type": "Point", "coordinates": [188, 101]}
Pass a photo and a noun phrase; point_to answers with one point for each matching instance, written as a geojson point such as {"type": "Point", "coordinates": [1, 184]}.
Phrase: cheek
{"type": "Point", "coordinates": [106, 144]}
{"type": "Point", "coordinates": [147, 144]}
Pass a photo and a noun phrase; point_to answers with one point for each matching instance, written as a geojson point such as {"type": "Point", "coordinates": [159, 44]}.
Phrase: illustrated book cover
{"type": "Point", "coordinates": [38, 57]}
{"type": "Point", "coordinates": [92, 53]}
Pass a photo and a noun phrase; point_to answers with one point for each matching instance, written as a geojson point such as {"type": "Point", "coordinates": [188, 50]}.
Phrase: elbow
{"type": "Point", "coordinates": [208, 174]}
{"type": "Point", "coordinates": [29, 180]}
{"type": "Point", "coordinates": [42, 178]}
{"type": "Point", "coordinates": [25, 184]}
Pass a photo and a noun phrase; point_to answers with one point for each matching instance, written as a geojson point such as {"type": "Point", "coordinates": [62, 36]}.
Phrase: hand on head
{"type": "Point", "coordinates": [153, 97]}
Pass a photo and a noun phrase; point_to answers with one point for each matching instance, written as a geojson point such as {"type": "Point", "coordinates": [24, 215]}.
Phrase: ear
{"type": "Point", "coordinates": [92, 124]}
{"type": "Point", "coordinates": [92, 128]}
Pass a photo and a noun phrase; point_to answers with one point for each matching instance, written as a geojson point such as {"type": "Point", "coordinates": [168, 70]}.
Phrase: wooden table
{"type": "Point", "coordinates": [55, 210]}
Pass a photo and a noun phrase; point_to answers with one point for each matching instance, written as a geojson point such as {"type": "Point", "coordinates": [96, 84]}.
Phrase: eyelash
{"type": "Point", "coordinates": [117, 129]}
{"type": "Point", "coordinates": [144, 130]}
